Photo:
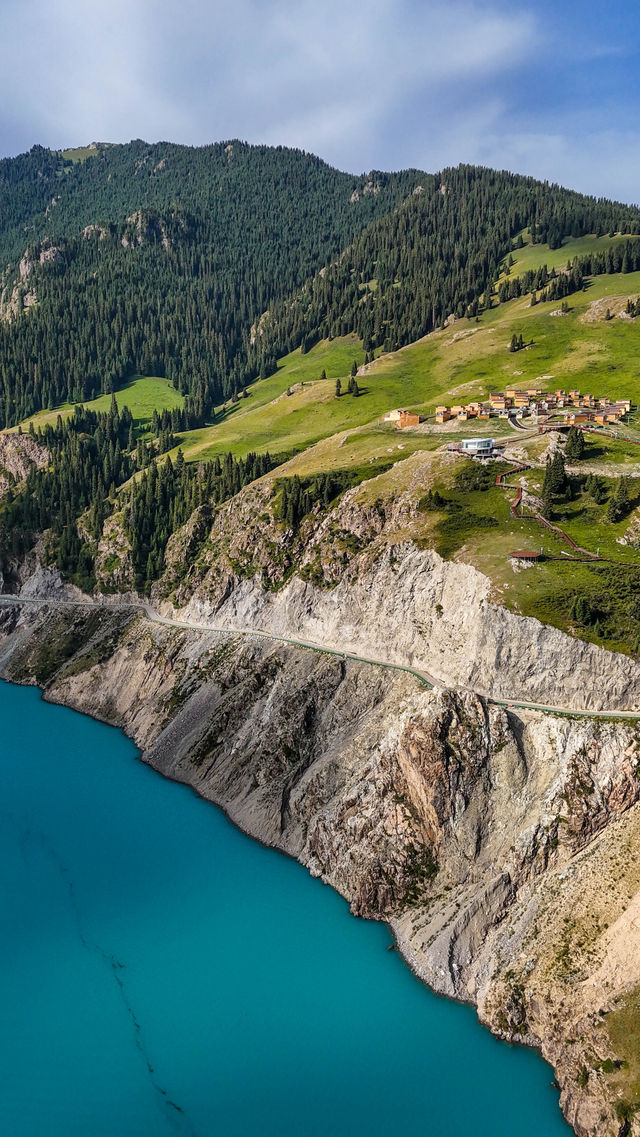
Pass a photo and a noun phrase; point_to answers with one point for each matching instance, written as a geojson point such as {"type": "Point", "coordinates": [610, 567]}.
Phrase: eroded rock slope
{"type": "Point", "coordinates": [485, 837]}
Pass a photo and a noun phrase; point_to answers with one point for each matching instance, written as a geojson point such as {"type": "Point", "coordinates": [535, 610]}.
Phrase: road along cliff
{"type": "Point", "coordinates": [359, 577]}
{"type": "Point", "coordinates": [498, 844]}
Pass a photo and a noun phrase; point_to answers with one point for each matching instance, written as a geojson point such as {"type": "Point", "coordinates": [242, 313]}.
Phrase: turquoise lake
{"type": "Point", "coordinates": [162, 974]}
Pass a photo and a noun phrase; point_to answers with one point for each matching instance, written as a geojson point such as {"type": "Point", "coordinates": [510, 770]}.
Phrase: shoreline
{"type": "Point", "coordinates": [164, 686]}
{"type": "Point", "coordinates": [396, 942]}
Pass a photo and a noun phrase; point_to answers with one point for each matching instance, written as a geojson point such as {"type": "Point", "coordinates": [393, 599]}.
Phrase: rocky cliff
{"type": "Point", "coordinates": [359, 576]}
{"type": "Point", "coordinates": [499, 845]}
{"type": "Point", "coordinates": [18, 454]}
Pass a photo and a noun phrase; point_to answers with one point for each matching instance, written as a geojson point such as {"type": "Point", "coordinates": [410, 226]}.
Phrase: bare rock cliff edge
{"type": "Point", "coordinates": [497, 844]}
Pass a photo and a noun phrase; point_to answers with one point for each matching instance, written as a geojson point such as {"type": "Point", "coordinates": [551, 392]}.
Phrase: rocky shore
{"type": "Point", "coordinates": [498, 845]}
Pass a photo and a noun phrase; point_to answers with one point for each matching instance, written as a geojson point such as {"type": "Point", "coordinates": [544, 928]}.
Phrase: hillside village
{"type": "Point", "coordinates": [534, 402]}
{"type": "Point", "coordinates": [529, 402]}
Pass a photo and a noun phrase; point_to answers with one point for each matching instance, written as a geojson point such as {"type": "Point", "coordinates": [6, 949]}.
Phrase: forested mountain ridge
{"type": "Point", "coordinates": [158, 258]}
{"type": "Point", "coordinates": [233, 182]}
{"type": "Point", "coordinates": [204, 265]}
{"type": "Point", "coordinates": [436, 255]}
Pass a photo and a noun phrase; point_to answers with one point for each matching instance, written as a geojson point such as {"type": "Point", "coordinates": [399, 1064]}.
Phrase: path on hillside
{"type": "Point", "coordinates": [423, 676]}
{"type": "Point", "coordinates": [588, 556]}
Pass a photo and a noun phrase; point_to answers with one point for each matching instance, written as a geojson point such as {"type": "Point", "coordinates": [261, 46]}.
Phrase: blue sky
{"type": "Point", "coordinates": [548, 88]}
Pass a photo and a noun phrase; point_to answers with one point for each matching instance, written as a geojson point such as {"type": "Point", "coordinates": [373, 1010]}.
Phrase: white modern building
{"type": "Point", "coordinates": [480, 447]}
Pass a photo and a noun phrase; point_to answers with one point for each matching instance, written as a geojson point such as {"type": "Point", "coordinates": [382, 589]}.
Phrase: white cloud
{"type": "Point", "coordinates": [322, 76]}
{"type": "Point", "coordinates": [77, 71]}
{"type": "Point", "coordinates": [602, 162]}
{"type": "Point", "coordinates": [385, 83]}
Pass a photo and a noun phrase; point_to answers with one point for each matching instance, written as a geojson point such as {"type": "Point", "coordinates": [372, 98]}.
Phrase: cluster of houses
{"type": "Point", "coordinates": [535, 401]}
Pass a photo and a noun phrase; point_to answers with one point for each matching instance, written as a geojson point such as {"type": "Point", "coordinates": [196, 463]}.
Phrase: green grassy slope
{"type": "Point", "coordinates": [580, 349]}
{"type": "Point", "coordinates": [142, 395]}
{"type": "Point", "coordinates": [271, 419]}
{"type": "Point", "coordinates": [77, 154]}
{"type": "Point", "coordinates": [534, 256]}
{"type": "Point", "coordinates": [468, 360]}
{"type": "Point", "coordinates": [459, 363]}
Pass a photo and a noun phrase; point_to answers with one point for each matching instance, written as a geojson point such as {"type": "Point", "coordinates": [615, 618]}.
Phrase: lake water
{"type": "Point", "coordinates": [162, 974]}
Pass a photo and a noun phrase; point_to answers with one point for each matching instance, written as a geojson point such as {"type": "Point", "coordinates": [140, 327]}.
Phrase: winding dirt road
{"type": "Point", "coordinates": [422, 676]}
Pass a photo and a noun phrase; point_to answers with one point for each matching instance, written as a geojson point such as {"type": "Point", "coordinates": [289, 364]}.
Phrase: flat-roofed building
{"type": "Point", "coordinates": [575, 417]}
{"type": "Point", "coordinates": [481, 447]}
{"type": "Point", "coordinates": [408, 418]}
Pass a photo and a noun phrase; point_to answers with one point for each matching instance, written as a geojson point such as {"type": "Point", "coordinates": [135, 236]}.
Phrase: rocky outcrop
{"type": "Point", "coordinates": [353, 578]}
{"type": "Point", "coordinates": [147, 227]}
{"type": "Point", "coordinates": [487, 838]}
{"type": "Point", "coordinates": [437, 617]}
{"type": "Point", "coordinates": [113, 564]}
{"type": "Point", "coordinates": [17, 291]}
{"type": "Point", "coordinates": [19, 453]}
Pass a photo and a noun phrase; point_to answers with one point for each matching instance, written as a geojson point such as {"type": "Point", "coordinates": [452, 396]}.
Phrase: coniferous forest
{"type": "Point", "coordinates": [204, 266]}
{"type": "Point", "coordinates": [91, 456]}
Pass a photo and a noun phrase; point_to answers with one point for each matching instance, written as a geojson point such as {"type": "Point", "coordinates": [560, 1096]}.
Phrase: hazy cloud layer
{"type": "Point", "coordinates": [368, 83]}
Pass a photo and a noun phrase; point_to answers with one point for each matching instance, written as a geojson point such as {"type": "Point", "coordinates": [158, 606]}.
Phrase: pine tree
{"type": "Point", "coordinates": [546, 502]}
{"type": "Point", "coordinates": [574, 448]}
{"type": "Point", "coordinates": [622, 497]}
{"type": "Point", "coordinates": [558, 475]}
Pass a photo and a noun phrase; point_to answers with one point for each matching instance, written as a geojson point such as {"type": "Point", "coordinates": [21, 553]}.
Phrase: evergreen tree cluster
{"type": "Point", "coordinates": [619, 505]}
{"type": "Point", "coordinates": [92, 455]}
{"type": "Point", "coordinates": [555, 484]}
{"type": "Point", "coordinates": [557, 284]}
{"type": "Point", "coordinates": [439, 252]}
{"type": "Point", "coordinates": [168, 493]}
{"type": "Point", "coordinates": [89, 460]}
{"type": "Point", "coordinates": [575, 446]}
{"type": "Point", "coordinates": [141, 285]}
{"type": "Point", "coordinates": [203, 265]}
{"type": "Point", "coordinates": [300, 495]}
{"type": "Point", "coordinates": [596, 488]}
{"type": "Point", "coordinates": [583, 613]}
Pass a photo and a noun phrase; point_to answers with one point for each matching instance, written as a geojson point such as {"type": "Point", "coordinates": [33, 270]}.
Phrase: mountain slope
{"type": "Point", "coordinates": [436, 255]}
{"type": "Point", "coordinates": [164, 260]}
{"type": "Point", "coordinates": [157, 259]}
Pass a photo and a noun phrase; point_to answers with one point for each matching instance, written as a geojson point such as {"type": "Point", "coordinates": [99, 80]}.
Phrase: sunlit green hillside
{"type": "Point", "coordinates": [464, 361]}
{"type": "Point", "coordinates": [142, 395]}
{"type": "Point", "coordinates": [534, 256]}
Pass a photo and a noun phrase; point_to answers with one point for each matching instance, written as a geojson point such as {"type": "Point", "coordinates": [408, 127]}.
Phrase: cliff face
{"type": "Point", "coordinates": [18, 454]}
{"type": "Point", "coordinates": [498, 845]}
{"type": "Point", "coordinates": [355, 577]}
